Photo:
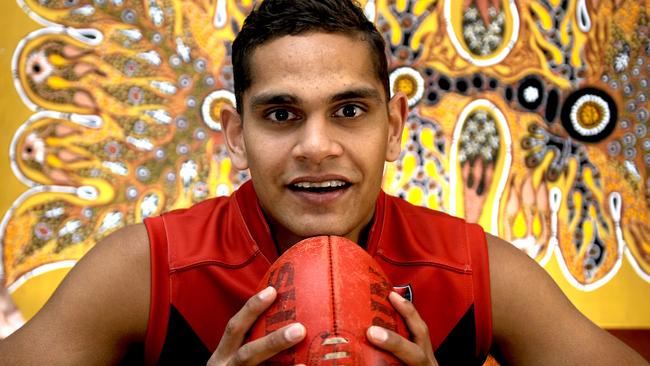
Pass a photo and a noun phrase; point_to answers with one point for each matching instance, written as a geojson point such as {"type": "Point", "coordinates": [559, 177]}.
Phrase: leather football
{"type": "Point", "coordinates": [336, 290]}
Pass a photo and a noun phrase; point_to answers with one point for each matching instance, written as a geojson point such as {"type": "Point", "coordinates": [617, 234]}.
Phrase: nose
{"type": "Point", "coordinates": [317, 141]}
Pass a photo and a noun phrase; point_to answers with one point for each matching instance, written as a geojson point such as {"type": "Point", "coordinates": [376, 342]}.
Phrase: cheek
{"type": "Point", "coordinates": [258, 150]}
{"type": "Point", "coordinates": [372, 153]}
{"type": "Point", "coordinates": [265, 159]}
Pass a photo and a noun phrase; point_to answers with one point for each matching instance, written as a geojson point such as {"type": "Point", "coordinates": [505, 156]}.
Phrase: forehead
{"type": "Point", "coordinates": [312, 63]}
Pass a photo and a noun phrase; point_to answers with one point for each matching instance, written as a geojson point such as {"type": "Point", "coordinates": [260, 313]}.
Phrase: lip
{"type": "Point", "coordinates": [319, 198]}
{"type": "Point", "coordinates": [318, 179]}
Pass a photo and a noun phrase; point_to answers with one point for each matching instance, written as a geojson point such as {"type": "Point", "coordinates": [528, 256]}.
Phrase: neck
{"type": "Point", "coordinates": [285, 239]}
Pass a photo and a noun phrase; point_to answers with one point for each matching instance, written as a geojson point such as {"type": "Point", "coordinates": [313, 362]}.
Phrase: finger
{"type": "Point", "coordinates": [261, 349]}
{"type": "Point", "coordinates": [407, 351]}
{"type": "Point", "coordinates": [414, 322]}
{"type": "Point", "coordinates": [241, 322]}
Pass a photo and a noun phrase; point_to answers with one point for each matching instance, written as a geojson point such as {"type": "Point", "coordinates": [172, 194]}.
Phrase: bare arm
{"type": "Point", "coordinates": [100, 308]}
{"type": "Point", "coordinates": [535, 324]}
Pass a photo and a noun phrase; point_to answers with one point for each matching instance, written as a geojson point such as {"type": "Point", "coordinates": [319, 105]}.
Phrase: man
{"type": "Point", "coordinates": [314, 124]}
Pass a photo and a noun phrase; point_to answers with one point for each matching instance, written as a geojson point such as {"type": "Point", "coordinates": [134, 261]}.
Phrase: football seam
{"type": "Point", "coordinates": [331, 286]}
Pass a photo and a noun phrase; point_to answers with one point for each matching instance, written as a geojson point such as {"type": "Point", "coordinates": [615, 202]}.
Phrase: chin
{"type": "Point", "coordinates": [308, 230]}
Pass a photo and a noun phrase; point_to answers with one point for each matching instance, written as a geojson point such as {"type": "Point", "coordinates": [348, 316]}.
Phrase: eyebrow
{"type": "Point", "coordinates": [273, 98]}
{"type": "Point", "coordinates": [359, 93]}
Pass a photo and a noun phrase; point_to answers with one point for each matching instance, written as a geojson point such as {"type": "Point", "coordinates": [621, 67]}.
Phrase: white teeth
{"type": "Point", "coordinates": [326, 184]}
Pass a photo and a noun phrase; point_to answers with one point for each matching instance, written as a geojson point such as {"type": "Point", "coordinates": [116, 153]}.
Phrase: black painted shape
{"type": "Point", "coordinates": [566, 115]}
{"type": "Point", "coordinates": [234, 26]}
{"type": "Point", "coordinates": [508, 93]}
{"type": "Point", "coordinates": [182, 345]}
{"type": "Point", "coordinates": [459, 348]}
{"type": "Point", "coordinates": [444, 83]}
{"type": "Point", "coordinates": [432, 97]}
{"type": "Point", "coordinates": [493, 83]}
{"type": "Point", "coordinates": [530, 82]}
{"type": "Point", "coordinates": [461, 85]}
{"type": "Point", "coordinates": [552, 105]}
{"type": "Point", "coordinates": [565, 5]}
{"type": "Point", "coordinates": [477, 81]}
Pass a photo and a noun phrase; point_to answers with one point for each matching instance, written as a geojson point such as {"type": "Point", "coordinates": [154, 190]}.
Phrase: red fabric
{"type": "Point", "coordinates": [218, 251]}
{"type": "Point", "coordinates": [482, 300]}
{"type": "Point", "coordinates": [159, 297]}
{"type": "Point", "coordinates": [444, 260]}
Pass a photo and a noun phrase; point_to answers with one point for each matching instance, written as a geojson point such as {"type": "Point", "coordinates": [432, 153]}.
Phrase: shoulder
{"type": "Point", "coordinates": [398, 206]}
{"type": "Point", "coordinates": [121, 254]}
{"type": "Point", "coordinates": [97, 311]}
{"type": "Point", "coordinates": [402, 215]}
{"type": "Point", "coordinates": [534, 323]}
{"type": "Point", "coordinates": [212, 231]}
{"type": "Point", "coordinates": [432, 236]}
{"type": "Point", "coordinates": [205, 212]}
{"type": "Point", "coordinates": [125, 251]}
{"type": "Point", "coordinates": [201, 208]}
{"type": "Point", "coordinates": [131, 240]}
{"type": "Point", "coordinates": [116, 272]}
{"type": "Point", "coordinates": [516, 280]}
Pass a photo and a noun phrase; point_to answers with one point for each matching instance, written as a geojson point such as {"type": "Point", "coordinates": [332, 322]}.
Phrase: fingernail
{"type": "Point", "coordinates": [294, 332]}
{"type": "Point", "coordinates": [397, 296]}
{"type": "Point", "coordinates": [264, 294]}
{"type": "Point", "coordinates": [379, 334]}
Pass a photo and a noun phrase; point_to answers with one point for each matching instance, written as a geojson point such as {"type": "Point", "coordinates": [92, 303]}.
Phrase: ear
{"type": "Point", "coordinates": [233, 133]}
{"type": "Point", "coordinates": [398, 111]}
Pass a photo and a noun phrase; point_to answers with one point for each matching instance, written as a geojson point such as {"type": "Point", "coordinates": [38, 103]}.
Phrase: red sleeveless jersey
{"type": "Point", "coordinates": [206, 261]}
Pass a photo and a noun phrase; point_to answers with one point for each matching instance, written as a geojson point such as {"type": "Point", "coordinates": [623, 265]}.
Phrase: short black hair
{"type": "Point", "coordinates": [273, 19]}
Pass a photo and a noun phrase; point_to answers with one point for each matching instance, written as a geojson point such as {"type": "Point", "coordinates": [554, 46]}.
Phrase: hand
{"type": "Point", "coordinates": [230, 350]}
{"type": "Point", "coordinates": [418, 352]}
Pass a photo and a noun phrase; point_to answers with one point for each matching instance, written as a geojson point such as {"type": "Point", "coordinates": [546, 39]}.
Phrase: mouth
{"type": "Point", "coordinates": [326, 186]}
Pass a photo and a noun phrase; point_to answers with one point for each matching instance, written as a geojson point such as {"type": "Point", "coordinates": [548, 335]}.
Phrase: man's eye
{"type": "Point", "coordinates": [281, 115]}
{"type": "Point", "coordinates": [348, 111]}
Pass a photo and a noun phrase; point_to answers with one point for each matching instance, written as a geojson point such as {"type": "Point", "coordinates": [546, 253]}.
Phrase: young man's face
{"type": "Point", "coordinates": [316, 131]}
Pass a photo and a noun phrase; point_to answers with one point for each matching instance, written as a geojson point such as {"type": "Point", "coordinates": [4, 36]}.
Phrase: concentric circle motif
{"type": "Point", "coordinates": [408, 81]}
{"type": "Point", "coordinates": [530, 93]}
{"type": "Point", "coordinates": [589, 115]}
{"type": "Point", "coordinates": [211, 108]}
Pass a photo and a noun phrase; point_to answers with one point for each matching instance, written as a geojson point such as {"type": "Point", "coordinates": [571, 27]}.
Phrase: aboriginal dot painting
{"type": "Point", "coordinates": [529, 117]}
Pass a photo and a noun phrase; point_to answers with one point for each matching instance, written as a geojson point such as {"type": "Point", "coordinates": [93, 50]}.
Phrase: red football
{"type": "Point", "coordinates": [336, 290]}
